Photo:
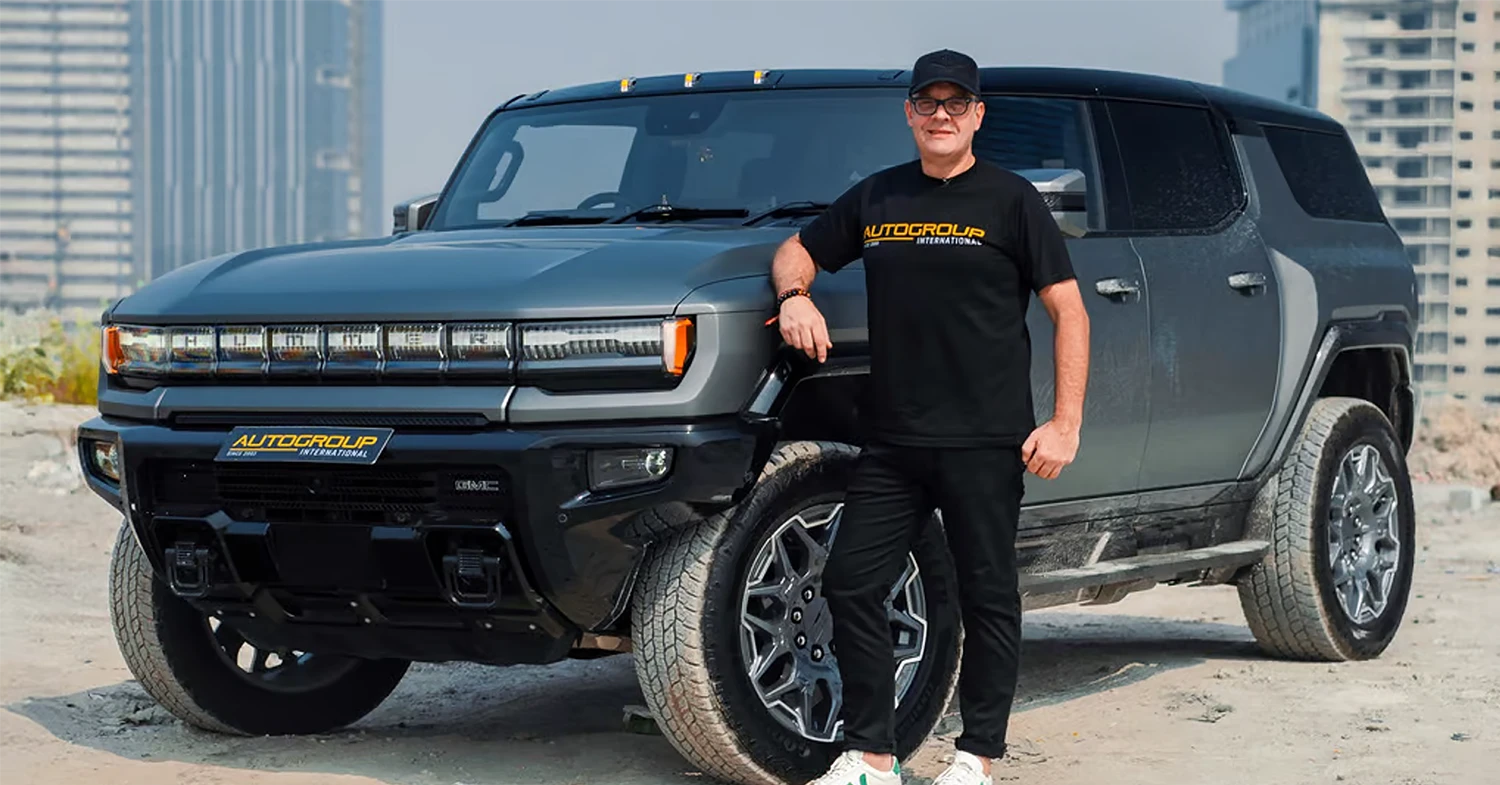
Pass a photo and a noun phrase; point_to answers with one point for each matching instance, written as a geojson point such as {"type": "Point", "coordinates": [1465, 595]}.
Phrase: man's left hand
{"type": "Point", "coordinates": [1049, 448]}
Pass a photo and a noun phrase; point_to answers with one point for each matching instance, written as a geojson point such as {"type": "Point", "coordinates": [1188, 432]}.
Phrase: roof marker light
{"type": "Point", "coordinates": [627, 84]}
{"type": "Point", "coordinates": [688, 80]}
{"type": "Point", "coordinates": [761, 74]}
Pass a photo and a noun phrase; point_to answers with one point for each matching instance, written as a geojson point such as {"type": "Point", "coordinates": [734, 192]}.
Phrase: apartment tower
{"type": "Point", "coordinates": [259, 124]}
{"type": "Point", "coordinates": [1418, 86]}
{"type": "Point", "coordinates": [137, 136]}
{"type": "Point", "coordinates": [66, 209]}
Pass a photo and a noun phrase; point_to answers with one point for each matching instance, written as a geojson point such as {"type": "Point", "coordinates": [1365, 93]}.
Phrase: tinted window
{"type": "Point", "coordinates": [1040, 133]}
{"type": "Point", "coordinates": [1325, 175]}
{"type": "Point", "coordinates": [1177, 170]}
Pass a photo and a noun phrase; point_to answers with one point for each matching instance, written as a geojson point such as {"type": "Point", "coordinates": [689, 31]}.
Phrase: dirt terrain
{"type": "Point", "coordinates": [1166, 686]}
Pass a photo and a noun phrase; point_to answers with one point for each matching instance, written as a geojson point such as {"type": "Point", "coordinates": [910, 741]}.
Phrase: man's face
{"type": "Point", "coordinates": [942, 133]}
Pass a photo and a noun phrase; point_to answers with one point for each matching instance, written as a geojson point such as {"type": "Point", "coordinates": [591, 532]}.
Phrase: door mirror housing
{"type": "Point", "coordinates": [413, 214]}
{"type": "Point", "coordinates": [1066, 193]}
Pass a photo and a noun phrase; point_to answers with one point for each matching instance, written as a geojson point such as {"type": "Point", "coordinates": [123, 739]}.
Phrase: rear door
{"type": "Point", "coordinates": [1021, 133]}
{"type": "Point", "coordinates": [1215, 321]}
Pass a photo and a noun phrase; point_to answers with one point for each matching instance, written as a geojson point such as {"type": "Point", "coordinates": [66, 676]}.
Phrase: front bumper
{"type": "Point", "coordinates": [462, 542]}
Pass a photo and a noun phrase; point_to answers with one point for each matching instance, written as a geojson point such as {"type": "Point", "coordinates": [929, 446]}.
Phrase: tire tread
{"type": "Point", "coordinates": [1280, 595]}
{"type": "Point", "coordinates": [674, 671]}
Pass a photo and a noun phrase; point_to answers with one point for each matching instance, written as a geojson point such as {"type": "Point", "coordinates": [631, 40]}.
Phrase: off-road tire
{"type": "Point", "coordinates": [685, 620]}
{"type": "Point", "coordinates": [167, 648]}
{"type": "Point", "coordinates": [1288, 597]}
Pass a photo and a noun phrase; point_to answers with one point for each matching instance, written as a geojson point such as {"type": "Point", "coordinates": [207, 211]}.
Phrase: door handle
{"type": "Point", "coordinates": [1247, 281]}
{"type": "Point", "coordinates": [1116, 287]}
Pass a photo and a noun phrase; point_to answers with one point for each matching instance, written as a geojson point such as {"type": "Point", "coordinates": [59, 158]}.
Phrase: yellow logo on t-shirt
{"type": "Point", "coordinates": [923, 234]}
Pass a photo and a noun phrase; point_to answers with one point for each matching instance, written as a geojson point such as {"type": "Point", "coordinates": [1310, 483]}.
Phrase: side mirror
{"type": "Point", "coordinates": [411, 215]}
{"type": "Point", "coordinates": [1066, 193]}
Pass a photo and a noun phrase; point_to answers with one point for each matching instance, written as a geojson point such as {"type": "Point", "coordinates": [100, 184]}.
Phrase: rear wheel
{"type": "Point", "coordinates": [208, 675]}
{"type": "Point", "coordinates": [1342, 527]}
{"type": "Point", "coordinates": [733, 638]}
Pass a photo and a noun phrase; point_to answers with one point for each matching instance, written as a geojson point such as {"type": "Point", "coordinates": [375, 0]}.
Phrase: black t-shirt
{"type": "Point", "coordinates": [949, 270]}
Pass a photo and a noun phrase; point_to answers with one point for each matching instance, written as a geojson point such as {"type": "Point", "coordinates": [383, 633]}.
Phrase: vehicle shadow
{"type": "Point", "coordinates": [560, 724]}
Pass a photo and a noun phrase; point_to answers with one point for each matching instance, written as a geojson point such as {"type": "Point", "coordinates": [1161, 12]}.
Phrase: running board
{"type": "Point", "coordinates": [1151, 566]}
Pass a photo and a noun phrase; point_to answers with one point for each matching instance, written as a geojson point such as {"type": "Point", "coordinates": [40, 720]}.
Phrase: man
{"type": "Point", "coordinates": [953, 248]}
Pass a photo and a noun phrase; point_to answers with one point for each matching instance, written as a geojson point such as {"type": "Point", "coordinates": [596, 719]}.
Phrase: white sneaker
{"type": "Point", "coordinates": [966, 769]}
{"type": "Point", "coordinates": [850, 768]}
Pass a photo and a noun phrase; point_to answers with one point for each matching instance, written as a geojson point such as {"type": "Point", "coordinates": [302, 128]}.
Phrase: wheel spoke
{"type": "Point", "coordinates": [1353, 594]}
{"type": "Point", "coordinates": [1341, 573]}
{"type": "Point", "coordinates": [782, 631]}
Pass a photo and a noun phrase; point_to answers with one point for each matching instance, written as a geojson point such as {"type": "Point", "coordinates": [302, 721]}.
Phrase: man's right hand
{"type": "Point", "coordinates": [802, 327]}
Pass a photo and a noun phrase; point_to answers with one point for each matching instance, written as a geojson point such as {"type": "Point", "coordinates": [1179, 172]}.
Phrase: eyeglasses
{"type": "Point", "coordinates": [956, 107]}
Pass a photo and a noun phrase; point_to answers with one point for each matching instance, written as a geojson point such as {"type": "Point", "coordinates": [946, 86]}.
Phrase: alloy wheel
{"type": "Point", "coordinates": [786, 630]}
{"type": "Point", "coordinates": [1364, 535]}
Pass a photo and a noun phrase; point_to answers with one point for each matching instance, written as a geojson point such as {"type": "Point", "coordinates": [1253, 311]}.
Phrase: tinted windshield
{"type": "Point", "coordinates": [750, 150]}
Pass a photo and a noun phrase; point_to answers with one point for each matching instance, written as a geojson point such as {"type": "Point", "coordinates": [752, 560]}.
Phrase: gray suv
{"type": "Point", "coordinates": [545, 418]}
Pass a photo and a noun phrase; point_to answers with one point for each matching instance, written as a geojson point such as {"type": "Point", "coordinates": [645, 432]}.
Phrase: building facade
{"type": "Point", "coordinates": [1418, 86]}
{"type": "Point", "coordinates": [137, 136]}
{"type": "Point", "coordinates": [259, 125]}
{"type": "Point", "coordinates": [1276, 50]}
{"type": "Point", "coordinates": [66, 208]}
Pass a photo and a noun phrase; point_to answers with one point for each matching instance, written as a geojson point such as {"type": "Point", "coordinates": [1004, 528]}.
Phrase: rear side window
{"type": "Point", "coordinates": [1325, 174]}
{"type": "Point", "coordinates": [1177, 168]}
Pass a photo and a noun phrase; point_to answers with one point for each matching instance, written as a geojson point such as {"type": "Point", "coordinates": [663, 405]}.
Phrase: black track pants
{"type": "Point", "coordinates": [891, 494]}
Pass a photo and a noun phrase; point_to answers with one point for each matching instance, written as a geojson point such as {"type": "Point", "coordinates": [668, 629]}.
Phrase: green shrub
{"type": "Point", "coordinates": [59, 366]}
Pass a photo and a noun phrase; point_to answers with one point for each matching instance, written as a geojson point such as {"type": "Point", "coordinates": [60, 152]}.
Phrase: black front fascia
{"type": "Point", "coordinates": [573, 552]}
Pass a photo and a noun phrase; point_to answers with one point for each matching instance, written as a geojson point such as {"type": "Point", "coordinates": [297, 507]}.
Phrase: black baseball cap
{"type": "Point", "coordinates": [945, 65]}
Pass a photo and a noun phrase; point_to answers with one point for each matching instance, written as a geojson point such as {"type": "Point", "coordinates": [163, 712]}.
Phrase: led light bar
{"type": "Point", "coordinates": [658, 346]}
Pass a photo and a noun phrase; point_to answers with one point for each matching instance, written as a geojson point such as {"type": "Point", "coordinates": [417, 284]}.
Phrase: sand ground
{"type": "Point", "coordinates": [1166, 686]}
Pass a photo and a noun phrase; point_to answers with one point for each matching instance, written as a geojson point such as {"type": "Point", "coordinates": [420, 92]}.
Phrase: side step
{"type": "Point", "coordinates": [1151, 566]}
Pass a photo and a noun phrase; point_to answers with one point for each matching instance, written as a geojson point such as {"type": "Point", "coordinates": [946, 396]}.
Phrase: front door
{"type": "Point", "coordinates": [1050, 133]}
{"type": "Point", "coordinates": [1116, 407]}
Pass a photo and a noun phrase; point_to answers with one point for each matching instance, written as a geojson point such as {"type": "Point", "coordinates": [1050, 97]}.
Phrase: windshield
{"type": "Point", "coordinates": [609, 158]}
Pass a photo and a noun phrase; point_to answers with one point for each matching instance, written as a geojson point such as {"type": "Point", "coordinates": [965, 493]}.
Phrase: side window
{"type": "Point", "coordinates": [1022, 133]}
{"type": "Point", "coordinates": [1177, 166]}
{"type": "Point", "coordinates": [1325, 174]}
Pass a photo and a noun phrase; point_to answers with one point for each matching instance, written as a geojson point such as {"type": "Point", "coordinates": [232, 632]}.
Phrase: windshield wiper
{"type": "Point", "coordinates": [545, 217]}
{"type": "Point", "coordinates": [788, 209]}
{"type": "Point", "coordinates": [668, 212]}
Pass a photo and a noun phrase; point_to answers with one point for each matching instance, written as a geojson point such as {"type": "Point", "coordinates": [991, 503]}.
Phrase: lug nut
{"type": "Point", "coordinates": [807, 595]}
{"type": "Point", "coordinates": [801, 640]}
{"type": "Point", "coordinates": [817, 654]}
{"type": "Point", "coordinates": [797, 616]}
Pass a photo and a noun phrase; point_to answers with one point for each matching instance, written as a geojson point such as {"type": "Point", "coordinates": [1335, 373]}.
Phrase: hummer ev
{"type": "Point", "coordinates": [545, 418]}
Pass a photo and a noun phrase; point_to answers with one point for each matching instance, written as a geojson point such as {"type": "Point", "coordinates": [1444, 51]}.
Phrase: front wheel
{"type": "Point", "coordinates": [733, 636]}
{"type": "Point", "coordinates": [1342, 529]}
{"type": "Point", "coordinates": [207, 675]}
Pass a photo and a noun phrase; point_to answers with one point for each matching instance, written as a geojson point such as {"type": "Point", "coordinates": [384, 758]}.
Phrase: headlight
{"type": "Point", "coordinates": [610, 352]}
{"type": "Point", "coordinates": [658, 346]}
{"type": "Point", "coordinates": [135, 349]}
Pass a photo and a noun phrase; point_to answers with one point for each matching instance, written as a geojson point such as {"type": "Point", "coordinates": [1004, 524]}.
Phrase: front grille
{"type": "Point", "coordinates": [310, 493]}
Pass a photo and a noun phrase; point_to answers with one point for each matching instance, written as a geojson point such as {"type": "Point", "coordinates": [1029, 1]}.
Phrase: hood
{"type": "Point", "coordinates": [496, 273]}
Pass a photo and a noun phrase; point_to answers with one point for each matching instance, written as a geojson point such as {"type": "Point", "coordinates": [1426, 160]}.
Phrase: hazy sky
{"type": "Point", "coordinates": [450, 62]}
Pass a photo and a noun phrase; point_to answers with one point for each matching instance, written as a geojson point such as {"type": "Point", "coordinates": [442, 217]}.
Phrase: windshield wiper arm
{"type": "Point", "coordinates": [668, 212]}
{"type": "Point", "coordinates": [544, 217]}
{"type": "Point", "coordinates": [788, 209]}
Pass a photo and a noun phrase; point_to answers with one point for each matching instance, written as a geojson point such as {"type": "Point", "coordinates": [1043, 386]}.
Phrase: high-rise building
{"type": "Point", "coordinates": [137, 136]}
{"type": "Point", "coordinates": [260, 124]}
{"type": "Point", "coordinates": [66, 211]}
{"type": "Point", "coordinates": [1276, 50]}
{"type": "Point", "coordinates": [1418, 86]}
